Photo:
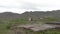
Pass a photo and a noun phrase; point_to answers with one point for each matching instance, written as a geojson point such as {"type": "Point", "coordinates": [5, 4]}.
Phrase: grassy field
{"type": "Point", "coordinates": [6, 23]}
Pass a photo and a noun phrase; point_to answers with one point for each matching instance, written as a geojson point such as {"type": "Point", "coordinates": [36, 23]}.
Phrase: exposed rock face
{"type": "Point", "coordinates": [38, 27]}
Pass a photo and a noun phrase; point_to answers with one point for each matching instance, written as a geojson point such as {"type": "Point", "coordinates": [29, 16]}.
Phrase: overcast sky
{"type": "Point", "coordinates": [20, 6]}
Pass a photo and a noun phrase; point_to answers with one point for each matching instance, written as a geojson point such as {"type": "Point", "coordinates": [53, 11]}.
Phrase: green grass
{"type": "Point", "coordinates": [6, 23]}
{"type": "Point", "coordinates": [3, 29]}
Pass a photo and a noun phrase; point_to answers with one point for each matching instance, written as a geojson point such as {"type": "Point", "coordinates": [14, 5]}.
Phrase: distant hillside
{"type": "Point", "coordinates": [35, 14]}
{"type": "Point", "coordinates": [38, 14]}
{"type": "Point", "coordinates": [9, 15]}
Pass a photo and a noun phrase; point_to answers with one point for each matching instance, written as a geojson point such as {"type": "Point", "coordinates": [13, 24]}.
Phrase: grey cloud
{"type": "Point", "coordinates": [28, 6]}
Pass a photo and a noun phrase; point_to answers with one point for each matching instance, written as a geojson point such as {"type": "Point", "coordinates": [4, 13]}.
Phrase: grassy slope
{"type": "Point", "coordinates": [4, 30]}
